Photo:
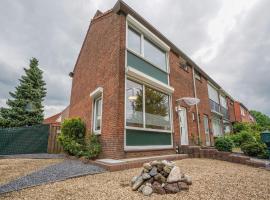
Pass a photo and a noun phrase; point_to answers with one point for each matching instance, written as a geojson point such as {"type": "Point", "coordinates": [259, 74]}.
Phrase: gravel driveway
{"type": "Point", "coordinates": [212, 179]}
{"type": "Point", "coordinates": [57, 172]}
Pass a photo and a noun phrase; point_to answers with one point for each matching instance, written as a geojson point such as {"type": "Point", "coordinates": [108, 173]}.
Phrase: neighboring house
{"type": "Point", "coordinates": [242, 114]}
{"type": "Point", "coordinates": [126, 81]}
{"type": "Point", "coordinates": [58, 118]}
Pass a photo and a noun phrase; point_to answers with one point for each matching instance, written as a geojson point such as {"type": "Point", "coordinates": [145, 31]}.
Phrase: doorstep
{"type": "Point", "coordinates": [123, 164]}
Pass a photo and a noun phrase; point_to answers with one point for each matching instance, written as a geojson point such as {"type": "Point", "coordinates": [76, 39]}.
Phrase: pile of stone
{"type": "Point", "coordinates": [161, 177]}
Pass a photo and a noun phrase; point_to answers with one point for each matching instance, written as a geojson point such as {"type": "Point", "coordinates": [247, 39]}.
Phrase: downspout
{"type": "Point", "coordinates": [196, 106]}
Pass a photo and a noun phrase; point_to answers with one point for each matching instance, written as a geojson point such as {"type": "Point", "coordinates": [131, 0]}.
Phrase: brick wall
{"type": "Point", "coordinates": [101, 64]}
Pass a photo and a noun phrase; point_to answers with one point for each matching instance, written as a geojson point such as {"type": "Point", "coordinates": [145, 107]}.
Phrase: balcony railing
{"type": "Point", "coordinates": [214, 106]}
{"type": "Point", "coordinates": [224, 112]}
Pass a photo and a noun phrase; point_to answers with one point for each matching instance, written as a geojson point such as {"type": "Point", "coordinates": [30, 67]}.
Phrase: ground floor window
{"type": "Point", "coordinates": [227, 127]}
{"type": "Point", "coordinates": [97, 114]}
{"type": "Point", "coordinates": [146, 107]}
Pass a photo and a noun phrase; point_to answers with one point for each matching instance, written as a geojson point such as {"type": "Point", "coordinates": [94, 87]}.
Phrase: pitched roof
{"type": "Point", "coordinates": [52, 119]}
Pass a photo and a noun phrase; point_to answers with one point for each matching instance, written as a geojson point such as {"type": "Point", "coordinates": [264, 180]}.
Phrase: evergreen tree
{"type": "Point", "coordinates": [25, 108]}
{"type": "Point", "coordinates": [261, 119]}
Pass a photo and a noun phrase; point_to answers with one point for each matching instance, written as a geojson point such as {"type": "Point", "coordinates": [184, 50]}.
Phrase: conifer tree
{"type": "Point", "coordinates": [25, 107]}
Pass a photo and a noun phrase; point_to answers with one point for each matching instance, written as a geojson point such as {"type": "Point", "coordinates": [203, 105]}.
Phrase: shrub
{"type": "Point", "coordinates": [92, 147]}
{"type": "Point", "coordinates": [73, 140]}
{"type": "Point", "coordinates": [224, 144]}
{"type": "Point", "coordinates": [242, 137]}
{"type": "Point", "coordinates": [252, 148]}
{"type": "Point", "coordinates": [73, 128]}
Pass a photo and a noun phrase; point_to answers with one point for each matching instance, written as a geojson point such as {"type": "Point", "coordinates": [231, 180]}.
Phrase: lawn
{"type": "Point", "coordinates": [11, 169]}
{"type": "Point", "coordinates": [212, 179]}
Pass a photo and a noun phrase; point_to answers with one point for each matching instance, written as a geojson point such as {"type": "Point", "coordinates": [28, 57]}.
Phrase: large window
{"type": "Point", "coordinates": [146, 107]}
{"type": "Point", "coordinates": [97, 114]}
{"type": "Point", "coordinates": [144, 47]}
{"type": "Point", "coordinates": [213, 94]}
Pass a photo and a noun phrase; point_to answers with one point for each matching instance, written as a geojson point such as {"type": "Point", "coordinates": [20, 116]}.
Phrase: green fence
{"type": "Point", "coordinates": [24, 140]}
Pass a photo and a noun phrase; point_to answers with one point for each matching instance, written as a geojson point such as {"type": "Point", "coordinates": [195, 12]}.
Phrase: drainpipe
{"type": "Point", "coordinates": [196, 106]}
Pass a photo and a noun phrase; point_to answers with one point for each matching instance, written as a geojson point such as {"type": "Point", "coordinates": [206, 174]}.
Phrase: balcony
{"type": "Point", "coordinates": [224, 112]}
{"type": "Point", "coordinates": [215, 107]}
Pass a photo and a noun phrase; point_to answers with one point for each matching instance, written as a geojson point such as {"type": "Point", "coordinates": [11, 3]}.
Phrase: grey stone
{"type": "Point", "coordinates": [140, 189]}
{"type": "Point", "coordinates": [183, 186]}
{"type": "Point", "coordinates": [187, 179]}
{"type": "Point", "coordinates": [146, 176]}
{"type": "Point", "coordinates": [175, 175]}
{"type": "Point", "coordinates": [147, 166]}
{"type": "Point", "coordinates": [160, 178]}
{"type": "Point", "coordinates": [133, 180]}
{"type": "Point", "coordinates": [153, 171]}
{"type": "Point", "coordinates": [160, 167]}
{"type": "Point", "coordinates": [171, 188]}
{"type": "Point", "coordinates": [151, 180]}
{"type": "Point", "coordinates": [168, 163]}
{"type": "Point", "coordinates": [156, 163]}
{"type": "Point", "coordinates": [167, 169]}
{"type": "Point", "coordinates": [147, 190]}
{"type": "Point", "coordinates": [157, 188]}
{"type": "Point", "coordinates": [163, 173]}
{"type": "Point", "coordinates": [137, 183]}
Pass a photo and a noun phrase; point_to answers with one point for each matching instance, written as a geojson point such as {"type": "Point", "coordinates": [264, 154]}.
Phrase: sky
{"type": "Point", "coordinates": [228, 39]}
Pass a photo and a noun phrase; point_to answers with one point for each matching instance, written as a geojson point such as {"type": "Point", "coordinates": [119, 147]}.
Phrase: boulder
{"type": "Point", "coordinates": [163, 173]}
{"type": "Point", "coordinates": [147, 166]}
{"type": "Point", "coordinates": [171, 188]}
{"type": "Point", "coordinates": [153, 171]}
{"type": "Point", "coordinates": [187, 179]}
{"type": "Point", "coordinates": [141, 188]}
{"type": "Point", "coordinates": [157, 188]}
{"type": "Point", "coordinates": [160, 178]}
{"type": "Point", "coordinates": [167, 169]}
{"type": "Point", "coordinates": [145, 176]}
{"type": "Point", "coordinates": [133, 180]}
{"type": "Point", "coordinates": [183, 186]}
{"type": "Point", "coordinates": [151, 180]}
{"type": "Point", "coordinates": [168, 163]}
{"type": "Point", "coordinates": [160, 167]}
{"type": "Point", "coordinates": [147, 190]}
{"type": "Point", "coordinates": [175, 175]}
{"type": "Point", "coordinates": [139, 181]}
{"type": "Point", "coordinates": [156, 163]}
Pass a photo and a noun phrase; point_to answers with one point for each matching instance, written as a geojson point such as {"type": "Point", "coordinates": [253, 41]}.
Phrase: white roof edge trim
{"type": "Point", "coordinates": [96, 92]}
{"type": "Point", "coordinates": [133, 73]}
{"type": "Point", "coordinates": [131, 20]}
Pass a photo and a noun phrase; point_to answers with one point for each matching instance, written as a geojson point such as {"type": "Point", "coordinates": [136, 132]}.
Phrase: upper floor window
{"type": "Point", "coordinates": [141, 45]}
{"type": "Point", "coordinates": [197, 75]}
{"type": "Point", "coordinates": [223, 102]}
{"type": "Point", "coordinates": [213, 93]}
{"type": "Point", "coordinates": [134, 41]}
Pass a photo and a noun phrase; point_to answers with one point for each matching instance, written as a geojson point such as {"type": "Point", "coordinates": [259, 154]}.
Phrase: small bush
{"type": "Point", "coordinates": [73, 140]}
{"type": "Point", "coordinates": [73, 128]}
{"type": "Point", "coordinates": [242, 137]}
{"type": "Point", "coordinates": [252, 148]}
{"type": "Point", "coordinates": [224, 144]}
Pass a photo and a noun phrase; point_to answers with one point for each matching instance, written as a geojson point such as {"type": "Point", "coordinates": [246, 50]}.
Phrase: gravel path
{"type": "Point", "coordinates": [57, 172]}
{"type": "Point", "coordinates": [11, 169]}
{"type": "Point", "coordinates": [212, 180]}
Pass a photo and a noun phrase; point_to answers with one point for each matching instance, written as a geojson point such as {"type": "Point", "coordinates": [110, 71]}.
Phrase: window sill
{"type": "Point", "coordinates": [148, 129]}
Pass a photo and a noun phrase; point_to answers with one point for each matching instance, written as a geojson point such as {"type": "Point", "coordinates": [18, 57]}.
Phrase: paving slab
{"type": "Point", "coordinates": [57, 172]}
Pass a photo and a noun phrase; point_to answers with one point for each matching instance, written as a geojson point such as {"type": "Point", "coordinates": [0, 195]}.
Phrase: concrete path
{"type": "Point", "coordinates": [57, 172]}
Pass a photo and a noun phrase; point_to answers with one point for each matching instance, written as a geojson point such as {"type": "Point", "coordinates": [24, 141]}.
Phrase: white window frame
{"type": "Point", "coordinates": [144, 32]}
{"type": "Point", "coordinates": [144, 121]}
{"type": "Point", "coordinates": [197, 75]}
{"type": "Point", "coordinates": [99, 98]}
{"type": "Point", "coordinates": [96, 94]}
{"type": "Point", "coordinates": [242, 110]}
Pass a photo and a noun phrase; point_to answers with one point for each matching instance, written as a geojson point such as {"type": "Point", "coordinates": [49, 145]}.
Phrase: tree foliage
{"type": "Point", "coordinates": [25, 105]}
{"type": "Point", "coordinates": [261, 119]}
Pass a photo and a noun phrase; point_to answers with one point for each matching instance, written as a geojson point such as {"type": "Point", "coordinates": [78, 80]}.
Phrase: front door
{"type": "Point", "coordinates": [206, 130]}
{"type": "Point", "coordinates": [183, 126]}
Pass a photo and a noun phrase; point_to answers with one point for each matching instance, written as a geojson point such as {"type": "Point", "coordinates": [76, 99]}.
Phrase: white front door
{"type": "Point", "coordinates": [206, 130]}
{"type": "Point", "coordinates": [183, 126]}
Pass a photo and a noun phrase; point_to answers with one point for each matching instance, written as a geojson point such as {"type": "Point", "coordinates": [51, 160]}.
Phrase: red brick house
{"type": "Point", "coordinates": [126, 81]}
{"type": "Point", "coordinates": [242, 114]}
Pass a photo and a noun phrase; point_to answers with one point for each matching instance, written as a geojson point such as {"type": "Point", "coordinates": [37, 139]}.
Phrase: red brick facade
{"type": "Point", "coordinates": [101, 63]}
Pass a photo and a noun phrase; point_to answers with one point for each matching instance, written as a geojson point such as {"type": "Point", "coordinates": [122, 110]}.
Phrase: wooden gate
{"type": "Point", "coordinates": [53, 144]}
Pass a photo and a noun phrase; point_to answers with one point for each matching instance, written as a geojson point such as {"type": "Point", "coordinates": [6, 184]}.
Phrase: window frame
{"type": "Point", "coordinates": [98, 98]}
{"type": "Point", "coordinates": [141, 54]}
{"type": "Point", "coordinates": [144, 118]}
